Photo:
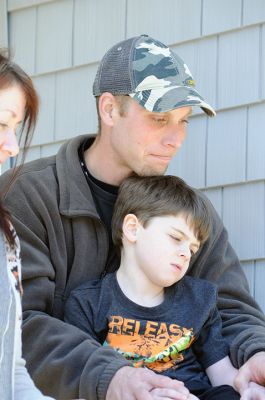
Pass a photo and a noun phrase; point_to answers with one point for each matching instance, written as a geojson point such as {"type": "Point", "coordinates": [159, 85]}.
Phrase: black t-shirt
{"type": "Point", "coordinates": [179, 338]}
{"type": "Point", "coordinates": [104, 196]}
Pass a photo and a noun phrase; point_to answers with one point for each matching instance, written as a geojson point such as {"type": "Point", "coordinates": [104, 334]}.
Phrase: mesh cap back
{"type": "Point", "coordinates": [114, 72]}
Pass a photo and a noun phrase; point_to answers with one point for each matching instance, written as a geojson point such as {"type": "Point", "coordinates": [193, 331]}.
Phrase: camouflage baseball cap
{"type": "Point", "coordinates": [151, 73]}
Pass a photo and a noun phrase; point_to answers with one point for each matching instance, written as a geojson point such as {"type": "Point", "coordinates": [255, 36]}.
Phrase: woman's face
{"type": "Point", "coordinates": [12, 110]}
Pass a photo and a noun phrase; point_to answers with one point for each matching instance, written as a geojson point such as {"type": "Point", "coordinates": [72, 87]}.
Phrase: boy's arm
{"type": "Point", "coordinates": [222, 372]}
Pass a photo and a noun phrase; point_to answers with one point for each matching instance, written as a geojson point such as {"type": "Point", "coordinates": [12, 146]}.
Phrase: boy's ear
{"type": "Point", "coordinates": [108, 108]}
{"type": "Point", "coordinates": [130, 227]}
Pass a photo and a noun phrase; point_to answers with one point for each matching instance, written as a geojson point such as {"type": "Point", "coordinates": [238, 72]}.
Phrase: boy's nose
{"type": "Point", "coordinates": [184, 251]}
{"type": "Point", "coordinates": [10, 143]}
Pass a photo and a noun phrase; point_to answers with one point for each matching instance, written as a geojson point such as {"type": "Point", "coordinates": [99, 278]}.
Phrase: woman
{"type": "Point", "coordinates": [18, 107]}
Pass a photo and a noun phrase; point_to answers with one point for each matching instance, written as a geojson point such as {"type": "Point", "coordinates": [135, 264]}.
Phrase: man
{"type": "Point", "coordinates": [63, 207]}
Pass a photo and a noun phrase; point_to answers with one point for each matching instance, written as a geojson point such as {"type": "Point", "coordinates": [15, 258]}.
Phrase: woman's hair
{"type": "Point", "coordinates": [12, 75]}
{"type": "Point", "coordinates": [154, 196]}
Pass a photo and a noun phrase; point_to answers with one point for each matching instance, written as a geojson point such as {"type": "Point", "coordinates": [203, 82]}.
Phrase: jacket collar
{"type": "Point", "coordinates": [75, 195]}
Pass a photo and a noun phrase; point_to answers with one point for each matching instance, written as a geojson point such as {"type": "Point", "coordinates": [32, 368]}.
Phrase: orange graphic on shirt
{"type": "Point", "coordinates": [155, 345]}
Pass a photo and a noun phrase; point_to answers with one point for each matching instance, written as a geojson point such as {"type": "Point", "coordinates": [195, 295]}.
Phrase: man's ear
{"type": "Point", "coordinates": [107, 107]}
{"type": "Point", "coordinates": [130, 227]}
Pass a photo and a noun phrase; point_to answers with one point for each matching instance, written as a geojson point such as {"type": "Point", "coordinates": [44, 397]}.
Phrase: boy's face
{"type": "Point", "coordinates": [163, 249]}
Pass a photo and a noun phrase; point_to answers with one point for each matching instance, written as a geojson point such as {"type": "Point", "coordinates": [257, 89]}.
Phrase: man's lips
{"type": "Point", "coordinates": [162, 158]}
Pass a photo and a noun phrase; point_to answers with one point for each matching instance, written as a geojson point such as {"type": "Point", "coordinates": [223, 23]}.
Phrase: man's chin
{"type": "Point", "coordinates": [150, 171]}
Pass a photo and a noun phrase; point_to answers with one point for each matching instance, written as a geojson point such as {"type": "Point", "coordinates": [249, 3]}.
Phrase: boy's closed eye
{"type": "Point", "coordinates": [178, 238]}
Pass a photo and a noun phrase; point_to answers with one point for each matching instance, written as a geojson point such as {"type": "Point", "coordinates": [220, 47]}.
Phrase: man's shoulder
{"type": "Point", "coordinates": [43, 166]}
{"type": "Point", "coordinates": [46, 166]}
{"type": "Point", "coordinates": [32, 170]}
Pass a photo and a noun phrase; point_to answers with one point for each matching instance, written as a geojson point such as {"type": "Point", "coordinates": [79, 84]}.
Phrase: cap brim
{"type": "Point", "coordinates": [168, 98]}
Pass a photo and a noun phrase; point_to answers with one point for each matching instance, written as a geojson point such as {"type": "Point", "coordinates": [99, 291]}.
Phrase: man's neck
{"type": "Point", "coordinates": [102, 166]}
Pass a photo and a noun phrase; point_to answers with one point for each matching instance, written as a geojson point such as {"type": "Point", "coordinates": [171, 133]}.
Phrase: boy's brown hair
{"type": "Point", "coordinates": [154, 196]}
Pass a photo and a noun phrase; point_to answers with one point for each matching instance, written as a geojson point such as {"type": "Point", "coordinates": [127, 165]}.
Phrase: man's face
{"type": "Point", "coordinates": [144, 142]}
{"type": "Point", "coordinates": [163, 249]}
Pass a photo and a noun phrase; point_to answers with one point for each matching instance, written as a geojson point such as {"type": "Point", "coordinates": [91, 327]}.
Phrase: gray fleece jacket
{"type": "Point", "coordinates": [64, 243]}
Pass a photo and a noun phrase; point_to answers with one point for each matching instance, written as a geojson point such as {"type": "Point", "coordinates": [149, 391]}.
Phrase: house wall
{"type": "Point", "coordinates": [59, 43]}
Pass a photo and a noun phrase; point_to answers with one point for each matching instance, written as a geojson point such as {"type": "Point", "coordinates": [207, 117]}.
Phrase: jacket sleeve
{"type": "Point", "coordinates": [63, 361]}
{"type": "Point", "coordinates": [243, 320]}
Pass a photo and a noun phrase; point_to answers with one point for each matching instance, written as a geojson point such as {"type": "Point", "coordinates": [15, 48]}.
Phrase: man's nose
{"type": "Point", "coordinates": [10, 143]}
{"type": "Point", "coordinates": [174, 138]}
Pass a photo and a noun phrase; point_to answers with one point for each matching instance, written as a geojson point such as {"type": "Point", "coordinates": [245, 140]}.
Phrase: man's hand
{"type": "Point", "coordinates": [252, 371]}
{"type": "Point", "coordinates": [158, 394]}
{"type": "Point", "coordinates": [137, 384]}
{"type": "Point", "coordinates": [254, 392]}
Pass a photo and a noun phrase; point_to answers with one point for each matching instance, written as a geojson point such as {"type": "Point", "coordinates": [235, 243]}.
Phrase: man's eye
{"type": "Point", "coordinates": [184, 121]}
{"type": "Point", "coordinates": [3, 126]}
{"type": "Point", "coordinates": [160, 120]}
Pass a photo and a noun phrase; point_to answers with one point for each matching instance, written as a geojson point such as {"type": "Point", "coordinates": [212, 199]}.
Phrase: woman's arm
{"type": "Point", "coordinates": [24, 386]}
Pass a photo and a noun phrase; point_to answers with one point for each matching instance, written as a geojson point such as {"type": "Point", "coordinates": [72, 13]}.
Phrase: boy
{"type": "Point", "coordinates": [149, 311]}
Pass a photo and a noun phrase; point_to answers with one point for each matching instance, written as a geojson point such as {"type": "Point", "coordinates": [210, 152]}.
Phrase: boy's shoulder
{"type": "Point", "coordinates": [200, 282]}
{"type": "Point", "coordinates": [200, 286]}
{"type": "Point", "coordinates": [93, 285]}
{"type": "Point", "coordinates": [91, 297]}
{"type": "Point", "coordinates": [198, 295]}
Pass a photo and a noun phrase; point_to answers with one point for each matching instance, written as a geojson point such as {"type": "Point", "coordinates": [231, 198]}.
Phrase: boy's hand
{"type": "Point", "coordinates": [253, 392]}
{"type": "Point", "coordinates": [138, 383]}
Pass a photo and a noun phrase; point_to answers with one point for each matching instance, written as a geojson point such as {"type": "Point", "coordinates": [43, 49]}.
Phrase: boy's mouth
{"type": "Point", "coordinates": [177, 267]}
